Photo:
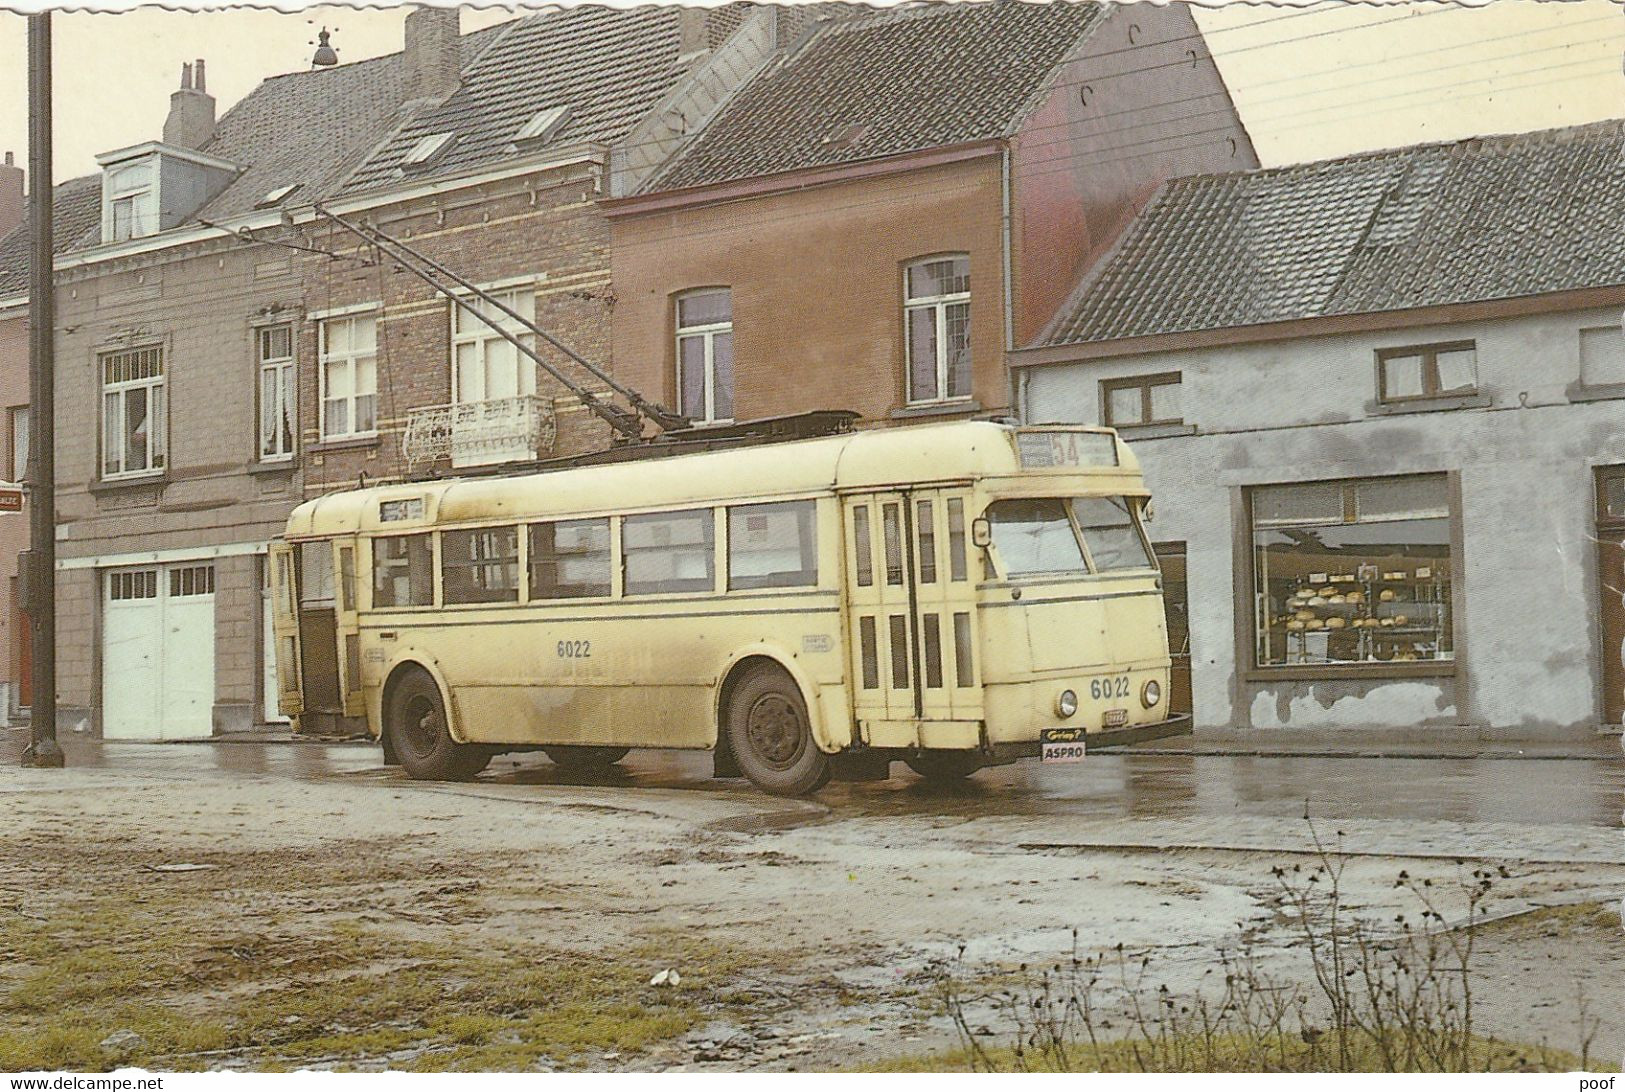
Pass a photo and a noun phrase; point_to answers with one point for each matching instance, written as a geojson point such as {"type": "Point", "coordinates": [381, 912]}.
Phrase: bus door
{"type": "Point", "coordinates": [944, 608]}
{"type": "Point", "coordinates": [878, 616]}
{"type": "Point", "coordinates": [348, 631]}
{"type": "Point", "coordinates": [911, 614]}
{"type": "Point", "coordinates": [329, 638]}
{"type": "Point", "coordinates": [285, 629]}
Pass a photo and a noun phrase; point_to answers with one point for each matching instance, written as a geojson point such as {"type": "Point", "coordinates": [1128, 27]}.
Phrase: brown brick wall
{"type": "Point", "coordinates": [817, 287]}
{"type": "Point", "coordinates": [488, 237]}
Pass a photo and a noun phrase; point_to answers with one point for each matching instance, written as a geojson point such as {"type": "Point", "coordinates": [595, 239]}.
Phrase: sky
{"type": "Point", "coordinates": [1310, 82]}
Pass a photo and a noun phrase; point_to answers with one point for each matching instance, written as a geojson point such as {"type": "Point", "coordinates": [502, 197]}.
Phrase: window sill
{"type": "Point", "coordinates": [349, 443]}
{"type": "Point", "coordinates": [1154, 432]}
{"type": "Point", "coordinates": [120, 485]}
{"type": "Point", "coordinates": [1601, 392]}
{"type": "Point", "coordinates": [936, 409]}
{"type": "Point", "coordinates": [274, 466]}
{"type": "Point", "coordinates": [1375, 672]}
{"type": "Point", "coordinates": [1478, 400]}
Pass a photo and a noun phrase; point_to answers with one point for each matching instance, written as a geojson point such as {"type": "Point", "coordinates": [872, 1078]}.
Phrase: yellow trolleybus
{"type": "Point", "coordinates": [952, 596]}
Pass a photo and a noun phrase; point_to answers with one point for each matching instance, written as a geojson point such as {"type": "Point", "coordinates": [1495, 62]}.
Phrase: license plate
{"type": "Point", "coordinates": [1061, 745]}
{"type": "Point", "coordinates": [1116, 718]}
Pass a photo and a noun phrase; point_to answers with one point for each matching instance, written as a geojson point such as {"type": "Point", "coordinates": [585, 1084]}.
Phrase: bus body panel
{"type": "Point", "coordinates": [935, 650]}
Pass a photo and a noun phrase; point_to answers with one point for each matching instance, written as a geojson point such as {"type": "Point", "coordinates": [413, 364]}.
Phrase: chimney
{"type": "Point", "coordinates": [433, 52]}
{"type": "Point", "coordinates": [191, 111]}
{"type": "Point", "coordinates": [11, 196]}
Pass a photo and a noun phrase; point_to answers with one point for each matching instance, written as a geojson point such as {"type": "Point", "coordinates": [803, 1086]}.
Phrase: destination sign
{"type": "Point", "coordinates": [1042, 450]}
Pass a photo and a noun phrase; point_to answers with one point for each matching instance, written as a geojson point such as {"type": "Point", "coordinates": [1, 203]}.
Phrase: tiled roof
{"type": "Point", "coordinates": [882, 84]}
{"type": "Point", "coordinates": [313, 127]}
{"type": "Point", "coordinates": [1474, 220]}
{"type": "Point", "coordinates": [609, 66]}
{"type": "Point", "coordinates": [77, 212]}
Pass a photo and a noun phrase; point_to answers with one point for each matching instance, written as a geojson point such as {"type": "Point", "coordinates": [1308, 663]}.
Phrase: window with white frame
{"type": "Point", "coordinates": [132, 412]}
{"type": "Point", "coordinates": [131, 203]}
{"type": "Point", "coordinates": [705, 354]}
{"type": "Point", "coordinates": [19, 443]}
{"type": "Point", "coordinates": [485, 365]}
{"type": "Point", "coordinates": [936, 320]}
{"type": "Point", "coordinates": [274, 350]}
{"type": "Point", "coordinates": [349, 374]}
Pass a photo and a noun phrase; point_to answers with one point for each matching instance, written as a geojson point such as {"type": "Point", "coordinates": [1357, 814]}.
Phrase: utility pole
{"type": "Point", "coordinates": [39, 569]}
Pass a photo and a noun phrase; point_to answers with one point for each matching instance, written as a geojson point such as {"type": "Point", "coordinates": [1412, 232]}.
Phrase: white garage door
{"type": "Point", "coordinates": [158, 653]}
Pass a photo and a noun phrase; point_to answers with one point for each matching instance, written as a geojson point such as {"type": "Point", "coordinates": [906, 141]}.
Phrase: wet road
{"type": "Point", "coordinates": [1566, 792]}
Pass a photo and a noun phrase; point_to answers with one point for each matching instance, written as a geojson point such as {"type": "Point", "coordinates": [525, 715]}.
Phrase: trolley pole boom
{"type": "Point", "coordinates": [436, 275]}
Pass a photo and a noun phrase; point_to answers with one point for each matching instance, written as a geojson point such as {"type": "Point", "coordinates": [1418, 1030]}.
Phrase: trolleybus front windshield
{"type": "Point", "coordinates": [1045, 537]}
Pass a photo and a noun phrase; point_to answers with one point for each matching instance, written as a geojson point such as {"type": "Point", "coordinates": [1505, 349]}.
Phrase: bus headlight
{"type": "Point", "coordinates": [1151, 693]}
{"type": "Point", "coordinates": [1066, 704]}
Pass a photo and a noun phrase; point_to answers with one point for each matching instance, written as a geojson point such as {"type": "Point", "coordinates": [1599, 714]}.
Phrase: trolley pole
{"type": "Point", "coordinates": [39, 567]}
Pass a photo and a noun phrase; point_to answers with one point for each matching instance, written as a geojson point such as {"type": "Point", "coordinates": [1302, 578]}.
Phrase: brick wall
{"type": "Point", "coordinates": [202, 305]}
{"type": "Point", "coordinates": [817, 287]}
{"type": "Point", "coordinates": [13, 526]}
{"type": "Point", "coordinates": [489, 237]}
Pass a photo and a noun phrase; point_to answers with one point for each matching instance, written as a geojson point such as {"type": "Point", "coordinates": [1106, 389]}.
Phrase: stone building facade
{"type": "Point", "coordinates": [1377, 401]}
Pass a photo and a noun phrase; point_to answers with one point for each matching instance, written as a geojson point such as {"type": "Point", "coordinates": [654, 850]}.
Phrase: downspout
{"type": "Point", "coordinates": [1009, 305]}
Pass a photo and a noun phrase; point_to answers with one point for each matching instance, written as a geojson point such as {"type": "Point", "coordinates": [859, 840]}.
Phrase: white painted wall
{"type": "Point", "coordinates": [1304, 410]}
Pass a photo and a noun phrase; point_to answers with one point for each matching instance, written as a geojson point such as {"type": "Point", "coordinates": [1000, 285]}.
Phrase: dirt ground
{"type": "Point", "coordinates": [181, 918]}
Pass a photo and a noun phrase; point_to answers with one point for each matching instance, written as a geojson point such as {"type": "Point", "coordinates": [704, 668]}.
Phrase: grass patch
{"type": "Point", "coordinates": [339, 987]}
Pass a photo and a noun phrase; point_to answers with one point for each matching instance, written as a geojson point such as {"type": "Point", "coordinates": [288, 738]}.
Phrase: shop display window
{"type": "Point", "coordinates": [1352, 572]}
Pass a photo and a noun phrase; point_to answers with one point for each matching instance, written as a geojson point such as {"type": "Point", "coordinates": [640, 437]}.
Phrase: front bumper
{"type": "Point", "coordinates": [1177, 725]}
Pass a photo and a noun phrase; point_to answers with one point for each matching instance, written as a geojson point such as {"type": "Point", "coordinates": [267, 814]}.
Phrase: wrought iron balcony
{"type": "Point", "coordinates": [480, 433]}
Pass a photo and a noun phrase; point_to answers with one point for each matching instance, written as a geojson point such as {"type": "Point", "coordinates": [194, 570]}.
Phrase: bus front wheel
{"type": "Point", "coordinates": [770, 734]}
{"type": "Point", "coordinates": [415, 718]}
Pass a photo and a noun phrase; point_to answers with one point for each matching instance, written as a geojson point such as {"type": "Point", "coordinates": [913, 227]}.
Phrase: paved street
{"type": "Point", "coordinates": [832, 909]}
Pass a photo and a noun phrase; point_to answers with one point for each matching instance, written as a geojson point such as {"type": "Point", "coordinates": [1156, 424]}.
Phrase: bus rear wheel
{"type": "Point", "coordinates": [415, 718]}
{"type": "Point", "coordinates": [770, 734]}
{"type": "Point", "coordinates": [585, 759]}
{"type": "Point", "coordinates": [942, 766]}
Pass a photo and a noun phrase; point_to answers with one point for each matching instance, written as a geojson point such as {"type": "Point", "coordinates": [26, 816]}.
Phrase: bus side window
{"type": "Point", "coordinates": [347, 578]}
{"type": "Point", "coordinates": [956, 538]}
{"type": "Point", "coordinates": [861, 546]}
{"type": "Point", "coordinates": [480, 566]}
{"type": "Point", "coordinates": [569, 559]}
{"type": "Point", "coordinates": [669, 552]}
{"type": "Point", "coordinates": [891, 525]}
{"type": "Point", "coordinates": [926, 531]}
{"type": "Point", "coordinates": [772, 545]}
{"type": "Point", "coordinates": [316, 573]}
{"type": "Point", "coordinates": [402, 571]}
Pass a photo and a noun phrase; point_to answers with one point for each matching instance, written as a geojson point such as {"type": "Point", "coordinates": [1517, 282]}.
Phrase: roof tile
{"type": "Point", "coordinates": [1474, 220]}
{"type": "Point", "coordinates": [909, 79]}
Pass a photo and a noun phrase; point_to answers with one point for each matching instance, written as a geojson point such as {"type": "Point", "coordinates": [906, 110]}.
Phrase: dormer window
{"type": "Point", "coordinates": [426, 151]}
{"type": "Point", "coordinates": [132, 203]}
{"type": "Point", "coordinates": [154, 187]}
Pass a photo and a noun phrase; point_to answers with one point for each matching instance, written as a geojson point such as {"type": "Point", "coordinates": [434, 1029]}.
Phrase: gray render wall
{"type": "Point", "coordinates": [1527, 595]}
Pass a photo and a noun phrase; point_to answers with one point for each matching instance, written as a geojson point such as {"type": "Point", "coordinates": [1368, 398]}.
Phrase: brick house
{"type": "Point", "coordinates": [824, 241]}
{"type": "Point", "coordinates": [212, 374]}
{"type": "Point", "coordinates": [14, 635]}
{"type": "Point", "coordinates": [1378, 402]}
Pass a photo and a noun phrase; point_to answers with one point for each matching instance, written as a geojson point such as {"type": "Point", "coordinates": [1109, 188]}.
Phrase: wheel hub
{"type": "Point", "coordinates": [422, 725]}
{"type": "Point", "coordinates": [775, 730]}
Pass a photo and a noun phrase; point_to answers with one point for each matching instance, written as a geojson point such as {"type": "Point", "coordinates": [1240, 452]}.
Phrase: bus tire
{"type": "Point", "coordinates": [770, 734]}
{"type": "Point", "coordinates": [943, 766]}
{"type": "Point", "coordinates": [585, 758]}
{"type": "Point", "coordinates": [420, 736]}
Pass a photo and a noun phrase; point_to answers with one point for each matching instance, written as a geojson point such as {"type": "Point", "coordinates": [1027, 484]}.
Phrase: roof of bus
{"type": "Point", "coordinates": [869, 459]}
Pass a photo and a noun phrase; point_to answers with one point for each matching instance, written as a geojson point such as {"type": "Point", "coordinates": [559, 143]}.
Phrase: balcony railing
{"type": "Point", "coordinates": [501, 430]}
